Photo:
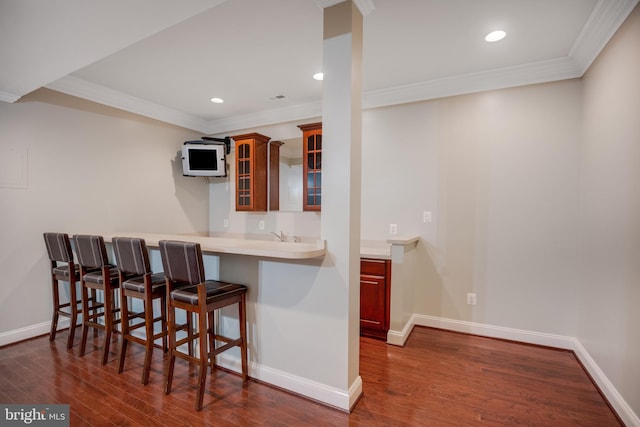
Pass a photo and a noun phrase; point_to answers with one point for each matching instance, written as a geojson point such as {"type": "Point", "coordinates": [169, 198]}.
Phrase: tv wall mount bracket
{"type": "Point", "coordinates": [226, 140]}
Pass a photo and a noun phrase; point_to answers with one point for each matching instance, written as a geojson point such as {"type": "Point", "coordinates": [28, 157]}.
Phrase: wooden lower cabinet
{"type": "Point", "coordinates": [375, 293]}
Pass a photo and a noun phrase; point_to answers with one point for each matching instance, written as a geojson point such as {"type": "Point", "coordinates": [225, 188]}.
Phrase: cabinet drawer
{"type": "Point", "coordinates": [376, 267]}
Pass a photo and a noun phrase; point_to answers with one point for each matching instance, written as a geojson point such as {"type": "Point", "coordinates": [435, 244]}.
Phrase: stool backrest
{"type": "Point", "coordinates": [92, 253]}
{"type": "Point", "coordinates": [182, 261]}
{"type": "Point", "coordinates": [58, 247]}
{"type": "Point", "coordinates": [131, 254]}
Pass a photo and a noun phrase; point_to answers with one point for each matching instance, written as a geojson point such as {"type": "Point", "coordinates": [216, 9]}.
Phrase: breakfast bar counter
{"type": "Point", "coordinates": [294, 291]}
{"type": "Point", "coordinates": [284, 281]}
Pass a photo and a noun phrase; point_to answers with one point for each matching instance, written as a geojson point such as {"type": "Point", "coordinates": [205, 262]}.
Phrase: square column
{"type": "Point", "coordinates": [341, 180]}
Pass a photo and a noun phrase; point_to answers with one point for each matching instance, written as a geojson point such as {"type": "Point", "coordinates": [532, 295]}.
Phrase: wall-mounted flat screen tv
{"type": "Point", "coordinates": [203, 158]}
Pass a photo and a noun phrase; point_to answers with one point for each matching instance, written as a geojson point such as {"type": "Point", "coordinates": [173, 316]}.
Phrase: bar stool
{"type": "Point", "coordinates": [187, 289]}
{"type": "Point", "coordinates": [137, 281]}
{"type": "Point", "coordinates": [59, 250]}
{"type": "Point", "coordinates": [97, 274]}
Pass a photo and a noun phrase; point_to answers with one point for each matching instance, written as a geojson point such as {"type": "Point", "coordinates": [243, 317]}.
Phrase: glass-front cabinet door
{"type": "Point", "coordinates": [251, 172]}
{"type": "Point", "coordinates": [312, 166]}
{"type": "Point", "coordinates": [243, 150]}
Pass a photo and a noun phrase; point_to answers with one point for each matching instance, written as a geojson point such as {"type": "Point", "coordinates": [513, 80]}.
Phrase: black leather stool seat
{"type": "Point", "coordinates": [136, 283]}
{"type": "Point", "coordinates": [96, 276]}
{"type": "Point", "coordinates": [215, 291]}
{"type": "Point", "coordinates": [63, 272]}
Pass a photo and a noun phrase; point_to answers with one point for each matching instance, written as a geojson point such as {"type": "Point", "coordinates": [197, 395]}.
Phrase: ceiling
{"type": "Point", "coordinates": [166, 59]}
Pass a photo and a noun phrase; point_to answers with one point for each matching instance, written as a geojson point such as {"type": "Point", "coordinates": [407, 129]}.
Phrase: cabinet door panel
{"type": "Point", "coordinates": [243, 175]}
{"type": "Point", "coordinates": [251, 172]}
{"type": "Point", "coordinates": [372, 301]}
{"type": "Point", "coordinates": [375, 294]}
{"type": "Point", "coordinates": [312, 166]}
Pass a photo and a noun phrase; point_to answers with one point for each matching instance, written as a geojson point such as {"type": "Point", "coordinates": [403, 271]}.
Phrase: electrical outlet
{"type": "Point", "coordinates": [471, 299]}
{"type": "Point", "coordinates": [225, 223]}
{"type": "Point", "coordinates": [427, 216]}
{"type": "Point", "coordinates": [393, 228]}
{"type": "Point", "coordinates": [261, 225]}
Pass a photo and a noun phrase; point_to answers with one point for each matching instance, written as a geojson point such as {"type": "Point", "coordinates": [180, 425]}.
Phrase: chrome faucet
{"type": "Point", "coordinates": [280, 236]}
{"type": "Point", "coordinates": [283, 237]}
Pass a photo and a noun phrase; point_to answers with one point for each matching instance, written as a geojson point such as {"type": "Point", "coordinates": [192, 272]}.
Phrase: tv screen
{"type": "Point", "coordinates": [200, 158]}
{"type": "Point", "coordinates": [203, 160]}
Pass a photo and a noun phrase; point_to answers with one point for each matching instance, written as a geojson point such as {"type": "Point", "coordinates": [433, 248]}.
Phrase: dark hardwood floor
{"type": "Point", "coordinates": [440, 378]}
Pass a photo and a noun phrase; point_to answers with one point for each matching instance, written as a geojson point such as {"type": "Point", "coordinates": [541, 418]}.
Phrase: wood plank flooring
{"type": "Point", "coordinates": [439, 378]}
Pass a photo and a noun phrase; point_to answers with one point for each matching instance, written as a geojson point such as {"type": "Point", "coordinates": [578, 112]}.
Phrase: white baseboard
{"type": "Point", "coordinates": [622, 408]}
{"type": "Point", "coordinates": [624, 411]}
{"type": "Point", "coordinates": [400, 337]}
{"type": "Point", "coordinates": [27, 332]}
{"type": "Point", "coordinates": [313, 390]}
{"type": "Point", "coordinates": [538, 338]}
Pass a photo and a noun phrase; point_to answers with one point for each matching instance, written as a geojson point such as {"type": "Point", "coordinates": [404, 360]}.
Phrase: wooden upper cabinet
{"type": "Point", "coordinates": [311, 166]}
{"type": "Point", "coordinates": [274, 175]}
{"type": "Point", "coordinates": [252, 172]}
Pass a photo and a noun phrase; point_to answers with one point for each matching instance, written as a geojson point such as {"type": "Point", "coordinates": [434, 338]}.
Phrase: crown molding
{"type": "Point", "coordinates": [103, 95]}
{"type": "Point", "coordinates": [604, 21]}
{"type": "Point", "coordinates": [501, 78]}
{"type": "Point", "coordinates": [539, 72]}
{"type": "Point", "coordinates": [266, 117]}
{"type": "Point", "coordinates": [8, 97]}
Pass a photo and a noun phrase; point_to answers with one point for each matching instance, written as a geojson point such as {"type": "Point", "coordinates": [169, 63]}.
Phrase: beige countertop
{"type": "Point", "coordinates": [222, 245]}
{"type": "Point", "coordinates": [381, 249]}
{"type": "Point", "coordinates": [403, 240]}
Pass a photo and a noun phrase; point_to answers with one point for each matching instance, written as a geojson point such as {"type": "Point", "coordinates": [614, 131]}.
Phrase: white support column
{"type": "Point", "coordinates": [341, 177]}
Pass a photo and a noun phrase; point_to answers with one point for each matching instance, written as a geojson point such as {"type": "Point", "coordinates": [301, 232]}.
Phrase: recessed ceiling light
{"type": "Point", "coordinates": [495, 36]}
{"type": "Point", "coordinates": [217, 100]}
{"type": "Point", "coordinates": [318, 76]}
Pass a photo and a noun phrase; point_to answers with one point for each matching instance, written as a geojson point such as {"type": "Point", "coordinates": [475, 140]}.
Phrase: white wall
{"type": "Point", "coordinates": [499, 172]}
{"type": "Point", "coordinates": [90, 169]}
{"type": "Point", "coordinates": [610, 206]}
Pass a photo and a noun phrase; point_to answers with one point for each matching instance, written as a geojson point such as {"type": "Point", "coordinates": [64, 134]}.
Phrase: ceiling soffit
{"type": "Point", "coordinates": [605, 19]}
